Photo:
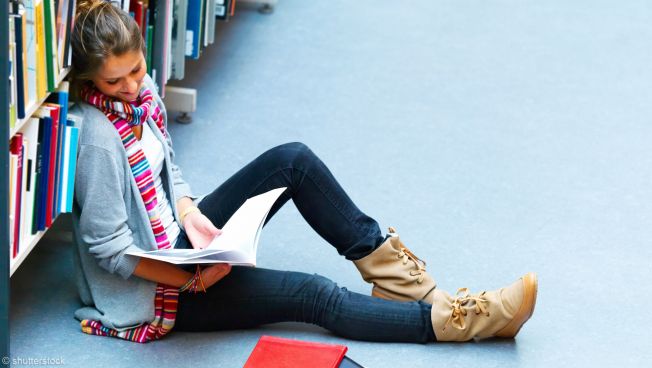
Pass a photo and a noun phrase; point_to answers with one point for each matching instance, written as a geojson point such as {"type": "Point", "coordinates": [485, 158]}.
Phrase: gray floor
{"type": "Point", "coordinates": [499, 137]}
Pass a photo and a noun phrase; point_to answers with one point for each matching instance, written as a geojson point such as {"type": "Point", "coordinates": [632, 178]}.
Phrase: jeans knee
{"type": "Point", "coordinates": [320, 286]}
{"type": "Point", "coordinates": [295, 154]}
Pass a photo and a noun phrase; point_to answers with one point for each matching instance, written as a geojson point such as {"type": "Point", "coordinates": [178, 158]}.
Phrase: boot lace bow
{"type": "Point", "coordinates": [460, 306]}
{"type": "Point", "coordinates": [406, 255]}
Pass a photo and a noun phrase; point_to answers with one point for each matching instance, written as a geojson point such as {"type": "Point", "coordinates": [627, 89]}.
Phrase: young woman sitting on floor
{"type": "Point", "coordinates": [129, 195]}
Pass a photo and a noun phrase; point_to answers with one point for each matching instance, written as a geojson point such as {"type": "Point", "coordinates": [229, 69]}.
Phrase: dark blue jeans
{"type": "Point", "coordinates": [250, 297]}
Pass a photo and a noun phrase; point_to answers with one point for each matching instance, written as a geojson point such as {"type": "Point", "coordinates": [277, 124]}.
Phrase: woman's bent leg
{"type": "Point", "coordinates": [250, 297]}
{"type": "Point", "coordinates": [316, 193]}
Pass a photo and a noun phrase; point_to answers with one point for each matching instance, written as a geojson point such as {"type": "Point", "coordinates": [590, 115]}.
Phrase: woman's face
{"type": "Point", "coordinates": [121, 76]}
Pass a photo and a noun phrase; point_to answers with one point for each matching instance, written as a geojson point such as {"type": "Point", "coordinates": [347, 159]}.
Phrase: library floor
{"type": "Point", "coordinates": [498, 137]}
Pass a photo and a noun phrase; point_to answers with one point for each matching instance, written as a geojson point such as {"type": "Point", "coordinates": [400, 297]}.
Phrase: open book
{"type": "Point", "coordinates": [236, 245]}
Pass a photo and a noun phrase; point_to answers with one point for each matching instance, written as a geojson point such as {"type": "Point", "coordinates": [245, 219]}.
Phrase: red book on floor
{"type": "Point", "coordinates": [276, 352]}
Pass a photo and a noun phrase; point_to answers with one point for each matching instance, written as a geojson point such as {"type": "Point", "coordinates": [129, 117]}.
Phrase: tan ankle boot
{"type": "Point", "coordinates": [397, 274]}
{"type": "Point", "coordinates": [499, 313]}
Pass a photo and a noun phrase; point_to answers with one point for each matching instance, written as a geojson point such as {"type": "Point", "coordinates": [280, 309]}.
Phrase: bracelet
{"type": "Point", "coordinates": [195, 283]}
{"type": "Point", "coordinates": [186, 212]}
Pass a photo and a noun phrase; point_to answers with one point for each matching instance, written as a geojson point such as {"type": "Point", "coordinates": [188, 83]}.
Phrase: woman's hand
{"type": "Point", "coordinates": [212, 274]}
{"type": "Point", "coordinates": [200, 230]}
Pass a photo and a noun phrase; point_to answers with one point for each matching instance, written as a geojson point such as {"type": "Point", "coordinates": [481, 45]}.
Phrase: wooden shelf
{"type": "Point", "coordinates": [33, 107]}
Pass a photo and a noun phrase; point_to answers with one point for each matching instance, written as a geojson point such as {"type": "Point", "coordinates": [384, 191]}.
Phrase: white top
{"type": "Point", "coordinates": [153, 150]}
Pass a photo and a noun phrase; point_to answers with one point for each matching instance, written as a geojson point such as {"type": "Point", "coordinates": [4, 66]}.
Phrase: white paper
{"type": "Point", "coordinates": [238, 242]}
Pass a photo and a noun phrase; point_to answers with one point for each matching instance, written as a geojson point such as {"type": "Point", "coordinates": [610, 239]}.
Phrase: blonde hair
{"type": "Point", "coordinates": [101, 30]}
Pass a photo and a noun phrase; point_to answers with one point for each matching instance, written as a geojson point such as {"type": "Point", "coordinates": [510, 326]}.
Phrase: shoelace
{"type": "Point", "coordinates": [406, 255]}
{"type": "Point", "coordinates": [456, 318]}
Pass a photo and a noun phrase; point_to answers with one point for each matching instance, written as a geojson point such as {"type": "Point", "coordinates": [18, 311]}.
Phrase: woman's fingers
{"type": "Point", "coordinates": [208, 227]}
{"type": "Point", "coordinates": [215, 273]}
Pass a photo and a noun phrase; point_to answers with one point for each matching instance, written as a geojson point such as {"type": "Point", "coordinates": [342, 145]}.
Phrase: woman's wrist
{"type": "Point", "coordinates": [188, 210]}
{"type": "Point", "coordinates": [195, 283]}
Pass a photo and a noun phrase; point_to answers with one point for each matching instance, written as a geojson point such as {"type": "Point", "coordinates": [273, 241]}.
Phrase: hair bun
{"type": "Point", "coordinates": [84, 6]}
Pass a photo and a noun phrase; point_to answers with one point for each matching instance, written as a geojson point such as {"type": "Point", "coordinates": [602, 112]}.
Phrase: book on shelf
{"type": "Point", "coordinates": [13, 162]}
{"type": "Point", "coordinates": [51, 113]}
{"type": "Point", "coordinates": [193, 28]}
{"type": "Point", "coordinates": [69, 164]}
{"type": "Point", "coordinates": [59, 100]}
{"type": "Point", "coordinates": [17, 151]}
{"type": "Point", "coordinates": [62, 26]}
{"type": "Point", "coordinates": [70, 24]}
{"type": "Point", "coordinates": [31, 53]}
{"type": "Point", "coordinates": [19, 33]}
{"type": "Point", "coordinates": [220, 9]}
{"type": "Point", "coordinates": [225, 9]}
{"type": "Point", "coordinates": [12, 76]}
{"type": "Point", "coordinates": [41, 71]}
{"type": "Point", "coordinates": [31, 138]}
{"type": "Point", "coordinates": [159, 10]}
{"type": "Point", "coordinates": [209, 33]}
{"type": "Point", "coordinates": [50, 45]}
{"type": "Point", "coordinates": [178, 42]}
{"type": "Point", "coordinates": [136, 10]}
{"type": "Point", "coordinates": [238, 242]}
{"type": "Point", "coordinates": [202, 25]}
{"type": "Point", "coordinates": [149, 42]}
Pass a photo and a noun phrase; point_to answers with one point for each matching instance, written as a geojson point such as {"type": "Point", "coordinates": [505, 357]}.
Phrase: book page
{"type": "Point", "coordinates": [242, 231]}
{"type": "Point", "coordinates": [238, 242]}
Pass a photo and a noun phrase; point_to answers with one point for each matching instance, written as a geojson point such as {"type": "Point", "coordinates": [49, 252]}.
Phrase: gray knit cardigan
{"type": "Point", "coordinates": [109, 219]}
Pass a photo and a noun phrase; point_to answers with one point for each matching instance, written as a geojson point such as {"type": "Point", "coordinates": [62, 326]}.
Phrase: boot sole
{"type": "Point", "coordinates": [530, 286]}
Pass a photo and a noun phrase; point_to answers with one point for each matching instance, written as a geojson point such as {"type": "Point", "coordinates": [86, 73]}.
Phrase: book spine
{"type": "Point", "coordinates": [13, 162]}
{"type": "Point", "coordinates": [59, 175]}
{"type": "Point", "coordinates": [28, 200]}
{"type": "Point", "coordinates": [31, 143]}
{"type": "Point", "coordinates": [12, 76]}
{"type": "Point", "coordinates": [31, 53]}
{"type": "Point", "coordinates": [61, 22]}
{"type": "Point", "coordinates": [45, 168]}
{"type": "Point", "coordinates": [72, 164]}
{"type": "Point", "coordinates": [65, 167]}
{"type": "Point", "coordinates": [67, 55]}
{"type": "Point", "coordinates": [41, 71]}
{"type": "Point", "coordinates": [21, 91]}
{"type": "Point", "coordinates": [38, 180]}
{"type": "Point", "coordinates": [52, 158]}
{"type": "Point", "coordinates": [20, 212]}
{"type": "Point", "coordinates": [17, 149]}
{"type": "Point", "coordinates": [193, 28]}
{"type": "Point", "coordinates": [50, 45]}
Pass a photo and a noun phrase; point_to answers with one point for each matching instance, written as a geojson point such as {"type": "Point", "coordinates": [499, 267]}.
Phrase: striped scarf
{"type": "Point", "coordinates": [123, 116]}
